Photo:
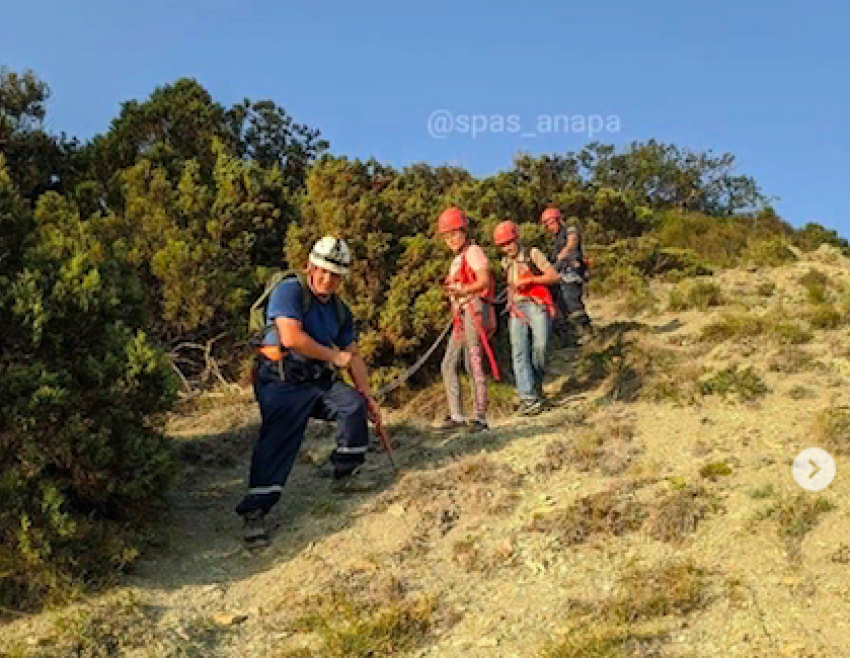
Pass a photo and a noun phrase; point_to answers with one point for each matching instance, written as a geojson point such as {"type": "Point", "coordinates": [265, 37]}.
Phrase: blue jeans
{"type": "Point", "coordinates": [529, 342]}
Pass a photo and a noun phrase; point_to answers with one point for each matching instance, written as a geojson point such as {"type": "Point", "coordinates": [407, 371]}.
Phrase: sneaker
{"type": "Point", "coordinates": [530, 408]}
{"type": "Point", "coordinates": [449, 424]}
{"type": "Point", "coordinates": [254, 529]}
{"type": "Point", "coordinates": [478, 426]}
{"type": "Point", "coordinates": [353, 482]}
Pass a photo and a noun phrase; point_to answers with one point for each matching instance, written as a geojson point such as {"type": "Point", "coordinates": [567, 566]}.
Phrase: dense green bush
{"type": "Point", "coordinates": [80, 451]}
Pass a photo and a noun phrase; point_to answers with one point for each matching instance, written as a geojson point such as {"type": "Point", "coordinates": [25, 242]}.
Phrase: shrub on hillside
{"type": "Point", "coordinates": [721, 241]}
{"type": "Point", "coordinates": [770, 252]}
{"type": "Point", "coordinates": [695, 294]}
{"type": "Point", "coordinates": [81, 460]}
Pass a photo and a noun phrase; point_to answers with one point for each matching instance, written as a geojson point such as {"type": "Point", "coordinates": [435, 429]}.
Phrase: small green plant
{"type": "Point", "coordinates": [796, 516]}
{"type": "Point", "coordinates": [714, 470]}
{"type": "Point", "coordinates": [745, 383]}
{"type": "Point", "coordinates": [763, 492]}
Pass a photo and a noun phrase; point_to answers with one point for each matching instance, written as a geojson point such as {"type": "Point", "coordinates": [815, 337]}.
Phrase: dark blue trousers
{"type": "Point", "coordinates": [285, 408]}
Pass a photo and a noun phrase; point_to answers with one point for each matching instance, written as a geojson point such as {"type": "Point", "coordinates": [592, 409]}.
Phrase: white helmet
{"type": "Point", "coordinates": [331, 254]}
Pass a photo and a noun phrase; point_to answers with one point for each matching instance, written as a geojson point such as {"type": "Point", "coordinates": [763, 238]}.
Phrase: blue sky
{"type": "Point", "coordinates": [765, 81]}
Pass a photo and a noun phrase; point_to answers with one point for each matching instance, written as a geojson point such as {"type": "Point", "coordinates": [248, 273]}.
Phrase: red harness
{"type": "Point", "coordinates": [466, 276]}
{"type": "Point", "coordinates": [536, 291]}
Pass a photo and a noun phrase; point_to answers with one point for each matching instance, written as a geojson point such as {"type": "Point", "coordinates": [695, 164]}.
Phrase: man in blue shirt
{"type": "Point", "coordinates": [296, 381]}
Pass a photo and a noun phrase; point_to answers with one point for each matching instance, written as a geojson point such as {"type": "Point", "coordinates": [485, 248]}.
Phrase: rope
{"type": "Point", "coordinates": [389, 388]}
{"type": "Point", "coordinates": [416, 366]}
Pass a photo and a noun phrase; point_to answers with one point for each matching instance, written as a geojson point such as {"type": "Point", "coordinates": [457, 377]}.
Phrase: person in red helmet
{"type": "Point", "coordinates": [569, 263]}
{"type": "Point", "coordinates": [469, 286]}
{"type": "Point", "coordinates": [531, 306]}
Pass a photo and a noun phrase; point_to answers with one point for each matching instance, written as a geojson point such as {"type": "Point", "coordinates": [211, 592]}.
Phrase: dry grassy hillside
{"type": "Point", "coordinates": [651, 512]}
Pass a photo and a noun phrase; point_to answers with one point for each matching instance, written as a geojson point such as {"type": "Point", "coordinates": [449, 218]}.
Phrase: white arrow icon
{"type": "Point", "coordinates": [814, 469]}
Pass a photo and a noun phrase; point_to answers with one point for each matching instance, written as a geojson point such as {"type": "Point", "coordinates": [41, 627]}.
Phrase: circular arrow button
{"type": "Point", "coordinates": [814, 469]}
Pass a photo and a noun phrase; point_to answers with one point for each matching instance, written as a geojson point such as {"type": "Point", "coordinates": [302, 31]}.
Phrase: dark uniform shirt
{"type": "Point", "coordinates": [561, 238]}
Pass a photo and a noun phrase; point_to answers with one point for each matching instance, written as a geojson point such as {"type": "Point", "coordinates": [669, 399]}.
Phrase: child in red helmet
{"type": "Point", "coordinates": [469, 285]}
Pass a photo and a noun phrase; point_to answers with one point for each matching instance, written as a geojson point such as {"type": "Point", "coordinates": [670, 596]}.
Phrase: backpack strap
{"type": "Point", "coordinates": [528, 260]}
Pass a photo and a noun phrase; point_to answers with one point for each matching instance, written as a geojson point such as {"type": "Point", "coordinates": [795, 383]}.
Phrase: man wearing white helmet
{"type": "Point", "coordinates": [309, 333]}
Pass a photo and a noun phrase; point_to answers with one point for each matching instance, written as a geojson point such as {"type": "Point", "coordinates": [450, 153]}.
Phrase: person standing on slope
{"type": "Point", "coordinates": [569, 263]}
{"type": "Point", "coordinates": [309, 333]}
{"type": "Point", "coordinates": [532, 308]}
{"type": "Point", "coordinates": [470, 287]}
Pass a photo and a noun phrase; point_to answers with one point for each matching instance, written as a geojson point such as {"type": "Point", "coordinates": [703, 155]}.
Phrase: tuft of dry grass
{"type": "Point", "coordinates": [557, 456]}
{"type": "Point", "coordinates": [790, 360]}
{"type": "Point", "coordinates": [677, 515]}
{"type": "Point", "coordinates": [763, 492]}
{"type": "Point", "coordinates": [637, 618]}
{"type": "Point", "coordinates": [471, 487]}
{"type": "Point", "coordinates": [365, 617]}
{"type": "Point", "coordinates": [739, 326]}
{"type": "Point", "coordinates": [832, 428]}
{"type": "Point", "coordinates": [824, 316]}
{"type": "Point", "coordinates": [609, 446]}
{"type": "Point", "coordinates": [605, 640]}
{"type": "Point", "coordinates": [672, 588]}
{"type": "Point", "coordinates": [801, 393]}
{"type": "Point", "coordinates": [124, 625]}
{"type": "Point", "coordinates": [676, 385]}
{"type": "Point", "coordinates": [473, 556]}
{"type": "Point", "coordinates": [766, 289]}
{"type": "Point", "coordinates": [701, 295]}
{"type": "Point", "coordinates": [610, 512]}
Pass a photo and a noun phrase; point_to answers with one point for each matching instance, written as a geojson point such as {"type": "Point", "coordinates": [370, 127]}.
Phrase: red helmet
{"type": "Point", "coordinates": [452, 219]}
{"type": "Point", "coordinates": [550, 213]}
{"type": "Point", "coordinates": [505, 232]}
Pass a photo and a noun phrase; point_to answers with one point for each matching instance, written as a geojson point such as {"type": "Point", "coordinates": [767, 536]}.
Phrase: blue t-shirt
{"type": "Point", "coordinates": [320, 321]}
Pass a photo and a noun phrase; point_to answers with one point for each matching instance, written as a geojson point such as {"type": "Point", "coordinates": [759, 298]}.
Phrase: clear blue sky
{"type": "Point", "coordinates": [767, 81]}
